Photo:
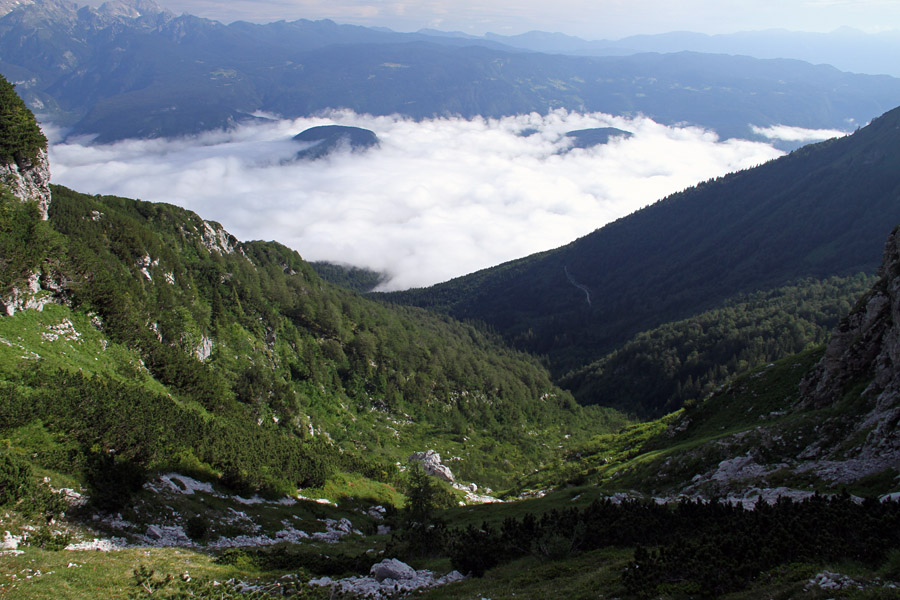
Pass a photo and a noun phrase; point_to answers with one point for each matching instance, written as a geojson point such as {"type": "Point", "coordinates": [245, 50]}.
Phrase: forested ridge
{"type": "Point", "coordinates": [657, 371]}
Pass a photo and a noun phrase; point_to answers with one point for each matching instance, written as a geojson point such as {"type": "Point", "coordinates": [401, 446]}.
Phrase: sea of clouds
{"type": "Point", "coordinates": [437, 199]}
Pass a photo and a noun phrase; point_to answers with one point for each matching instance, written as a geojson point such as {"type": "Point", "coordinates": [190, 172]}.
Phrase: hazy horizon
{"type": "Point", "coordinates": [604, 19]}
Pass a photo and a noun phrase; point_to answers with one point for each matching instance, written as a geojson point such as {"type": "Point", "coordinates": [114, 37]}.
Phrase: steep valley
{"type": "Point", "coordinates": [186, 415]}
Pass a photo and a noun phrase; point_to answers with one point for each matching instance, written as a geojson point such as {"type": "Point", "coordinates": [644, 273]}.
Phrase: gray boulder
{"type": "Point", "coordinates": [431, 464]}
{"type": "Point", "coordinates": [391, 568]}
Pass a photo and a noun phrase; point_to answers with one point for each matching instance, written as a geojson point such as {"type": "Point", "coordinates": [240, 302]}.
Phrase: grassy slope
{"type": "Point", "coordinates": [755, 414]}
{"type": "Point", "coordinates": [654, 457]}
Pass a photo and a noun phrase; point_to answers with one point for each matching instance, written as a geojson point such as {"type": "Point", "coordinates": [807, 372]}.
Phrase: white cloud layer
{"type": "Point", "coordinates": [787, 133]}
{"type": "Point", "coordinates": [438, 199]}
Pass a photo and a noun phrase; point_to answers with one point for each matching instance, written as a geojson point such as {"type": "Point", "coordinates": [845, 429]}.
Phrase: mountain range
{"type": "Point", "coordinates": [132, 69]}
{"type": "Point", "coordinates": [846, 49]}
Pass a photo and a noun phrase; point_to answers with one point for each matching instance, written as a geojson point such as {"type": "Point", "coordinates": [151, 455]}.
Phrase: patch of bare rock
{"type": "Point", "coordinates": [387, 579]}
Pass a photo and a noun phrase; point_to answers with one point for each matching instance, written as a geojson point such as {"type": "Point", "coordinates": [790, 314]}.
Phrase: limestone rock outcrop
{"type": "Point", "coordinates": [865, 347]}
{"type": "Point", "coordinates": [29, 180]}
{"type": "Point", "coordinates": [866, 342]}
{"type": "Point", "coordinates": [390, 578]}
{"type": "Point", "coordinates": [431, 464]}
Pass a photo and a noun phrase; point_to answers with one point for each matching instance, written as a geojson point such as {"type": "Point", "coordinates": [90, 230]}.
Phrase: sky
{"type": "Point", "coordinates": [437, 199]}
{"type": "Point", "coordinates": [591, 19]}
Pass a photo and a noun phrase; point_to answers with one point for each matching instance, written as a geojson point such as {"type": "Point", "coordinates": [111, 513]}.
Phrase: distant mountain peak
{"type": "Point", "coordinates": [332, 138]}
{"type": "Point", "coordinates": [131, 9]}
{"type": "Point", "coordinates": [7, 6]}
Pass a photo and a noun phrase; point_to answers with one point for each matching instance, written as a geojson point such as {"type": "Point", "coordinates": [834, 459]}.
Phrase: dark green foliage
{"type": "Point", "coordinates": [420, 491]}
{"type": "Point", "coordinates": [125, 430]}
{"type": "Point", "coordinates": [196, 528]}
{"type": "Point", "coordinates": [287, 346]}
{"type": "Point", "coordinates": [15, 479]}
{"type": "Point", "coordinates": [891, 567]}
{"type": "Point", "coordinates": [687, 360]}
{"type": "Point", "coordinates": [693, 548]}
{"type": "Point", "coordinates": [422, 531]}
{"type": "Point", "coordinates": [20, 137]}
{"type": "Point", "coordinates": [474, 550]}
{"type": "Point", "coordinates": [298, 558]}
{"type": "Point", "coordinates": [19, 489]}
{"type": "Point", "coordinates": [111, 482]}
{"type": "Point", "coordinates": [354, 278]}
{"type": "Point", "coordinates": [183, 587]}
{"type": "Point", "coordinates": [731, 548]}
{"type": "Point", "coordinates": [46, 538]}
{"type": "Point", "coordinates": [25, 240]}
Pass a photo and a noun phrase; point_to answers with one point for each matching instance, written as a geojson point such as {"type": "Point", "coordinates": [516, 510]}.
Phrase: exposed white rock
{"type": "Point", "coordinates": [204, 348]}
{"type": "Point", "coordinates": [387, 579]}
{"type": "Point", "coordinates": [316, 500]}
{"type": "Point", "coordinates": [260, 500]}
{"type": "Point", "coordinates": [161, 536]}
{"type": "Point", "coordinates": [739, 467]}
{"type": "Point", "coordinates": [29, 181]}
{"type": "Point", "coordinates": [827, 580]}
{"type": "Point", "coordinates": [391, 568]}
{"type": "Point", "coordinates": [431, 463]}
{"type": "Point", "coordinates": [29, 297]}
{"type": "Point", "coordinates": [100, 545]}
{"type": "Point", "coordinates": [472, 497]}
{"type": "Point", "coordinates": [867, 340]}
{"type": "Point", "coordinates": [10, 542]}
{"type": "Point", "coordinates": [752, 496]}
{"type": "Point", "coordinates": [185, 485]}
{"type": "Point", "coordinates": [216, 239]}
{"type": "Point", "coordinates": [335, 530]}
{"type": "Point", "coordinates": [64, 329]}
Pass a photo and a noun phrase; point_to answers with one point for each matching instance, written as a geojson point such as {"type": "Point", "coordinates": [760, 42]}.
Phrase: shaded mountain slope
{"type": "Point", "coordinates": [657, 371]}
{"type": "Point", "coordinates": [817, 212]}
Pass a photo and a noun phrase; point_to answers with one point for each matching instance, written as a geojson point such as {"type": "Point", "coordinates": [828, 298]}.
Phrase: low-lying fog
{"type": "Point", "coordinates": [437, 199]}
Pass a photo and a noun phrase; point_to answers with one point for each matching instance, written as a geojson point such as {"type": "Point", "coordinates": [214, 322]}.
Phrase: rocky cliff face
{"type": "Point", "coordinates": [865, 348]}
{"type": "Point", "coordinates": [841, 428]}
{"type": "Point", "coordinates": [29, 180]}
{"type": "Point", "coordinates": [865, 344]}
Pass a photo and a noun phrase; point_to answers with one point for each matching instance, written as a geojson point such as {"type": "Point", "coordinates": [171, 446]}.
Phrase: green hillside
{"type": "Point", "coordinates": [238, 359]}
{"type": "Point", "coordinates": [20, 136]}
{"type": "Point", "coordinates": [821, 211]}
{"type": "Point", "coordinates": [657, 371]}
